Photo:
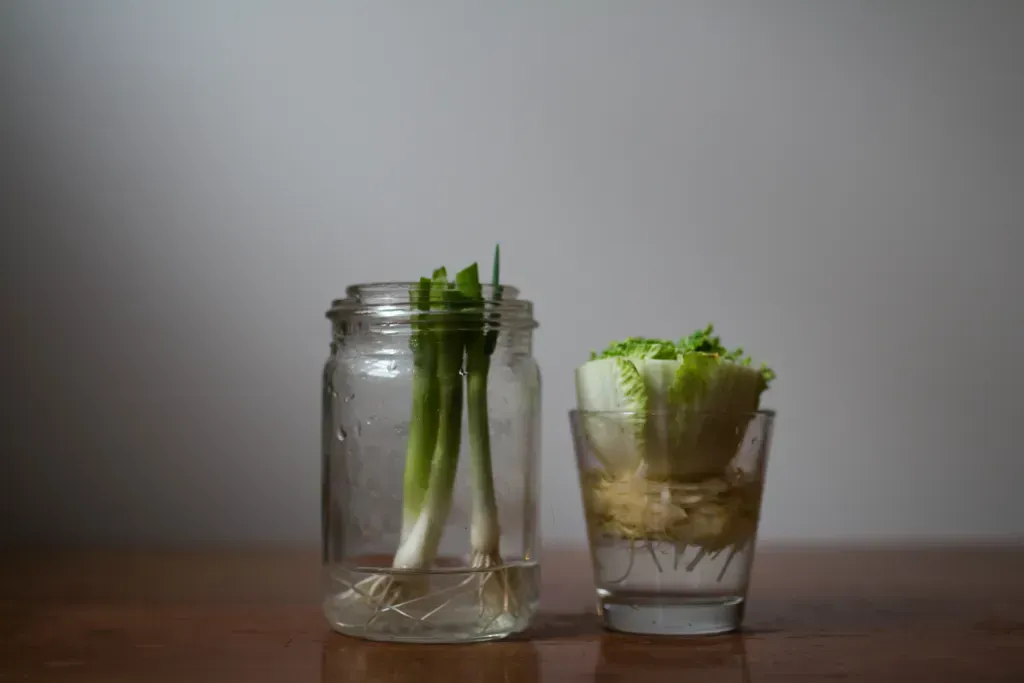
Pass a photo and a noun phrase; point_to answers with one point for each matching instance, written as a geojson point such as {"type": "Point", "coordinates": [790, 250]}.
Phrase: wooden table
{"type": "Point", "coordinates": [851, 615]}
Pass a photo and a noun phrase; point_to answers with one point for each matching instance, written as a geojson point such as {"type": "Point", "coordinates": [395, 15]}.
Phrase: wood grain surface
{"type": "Point", "coordinates": [853, 614]}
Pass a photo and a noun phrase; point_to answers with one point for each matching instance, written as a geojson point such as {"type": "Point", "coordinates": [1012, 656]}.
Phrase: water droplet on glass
{"type": "Point", "coordinates": [359, 428]}
{"type": "Point", "coordinates": [341, 434]}
{"type": "Point", "coordinates": [349, 397]}
{"type": "Point", "coordinates": [392, 366]}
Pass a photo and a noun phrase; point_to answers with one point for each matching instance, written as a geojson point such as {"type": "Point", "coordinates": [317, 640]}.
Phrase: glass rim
{"type": "Point", "coordinates": [763, 412]}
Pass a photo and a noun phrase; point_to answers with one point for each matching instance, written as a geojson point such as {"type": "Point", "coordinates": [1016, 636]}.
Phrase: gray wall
{"type": "Point", "coordinates": [186, 185]}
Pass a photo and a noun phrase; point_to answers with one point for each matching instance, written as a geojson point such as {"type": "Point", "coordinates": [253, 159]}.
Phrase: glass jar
{"type": "Point", "coordinates": [419, 543]}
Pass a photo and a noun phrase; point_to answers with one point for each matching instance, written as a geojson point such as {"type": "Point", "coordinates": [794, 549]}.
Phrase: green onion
{"type": "Point", "coordinates": [430, 498]}
{"type": "Point", "coordinates": [453, 337]}
{"type": "Point", "coordinates": [485, 532]}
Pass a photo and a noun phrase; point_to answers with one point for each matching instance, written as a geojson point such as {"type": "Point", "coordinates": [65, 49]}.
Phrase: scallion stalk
{"type": "Point", "coordinates": [419, 547]}
{"type": "Point", "coordinates": [425, 403]}
{"type": "Point", "coordinates": [485, 530]}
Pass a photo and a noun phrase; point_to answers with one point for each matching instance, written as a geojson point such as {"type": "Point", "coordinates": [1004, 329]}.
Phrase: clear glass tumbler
{"type": "Point", "coordinates": [464, 567]}
{"type": "Point", "coordinates": [672, 530]}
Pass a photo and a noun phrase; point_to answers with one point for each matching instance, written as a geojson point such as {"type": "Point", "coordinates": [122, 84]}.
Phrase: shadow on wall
{"type": "Point", "coordinates": [132, 380]}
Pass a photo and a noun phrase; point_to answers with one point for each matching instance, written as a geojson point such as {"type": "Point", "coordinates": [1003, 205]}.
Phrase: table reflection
{"type": "Point", "coordinates": [722, 659]}
{"type": "Point", "coordinates": [349, 660]}
{"type": "Point", "coordinates": [605, 657]}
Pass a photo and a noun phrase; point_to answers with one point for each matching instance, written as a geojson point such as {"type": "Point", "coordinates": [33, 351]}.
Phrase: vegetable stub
{"type": "Point", "coordinates": [666, 420]}
{"type": "Point", "coordinates": [685, 403]}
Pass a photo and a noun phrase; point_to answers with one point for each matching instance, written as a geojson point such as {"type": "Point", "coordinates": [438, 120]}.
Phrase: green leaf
{"type": "Point", "coordinates": [631, 386]}
{"type": "Point", "coordinates": [692, 378]}
{"type": "Point", "coordinates": [467, 281]}
{"type": "Point", "coordinates": [491, 340]}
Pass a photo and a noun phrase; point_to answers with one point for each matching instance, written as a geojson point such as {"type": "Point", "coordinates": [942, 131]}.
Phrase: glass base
{"type": "Point", "coordinates": [452, 605]}
{"type": "Point", "coordinates": [423, 637]}
{"type": "Point", "coordinates": [671, 616]}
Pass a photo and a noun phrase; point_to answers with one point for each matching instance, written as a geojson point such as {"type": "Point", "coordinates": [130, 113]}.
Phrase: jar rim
{"type": "Point", "coordinates": [390, 304]}
{"type": "Point", "coordinates": [382, 287]}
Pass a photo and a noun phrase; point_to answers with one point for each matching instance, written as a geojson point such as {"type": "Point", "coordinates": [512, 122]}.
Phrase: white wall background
{"type": "Point", "coordinates": [186, 185]}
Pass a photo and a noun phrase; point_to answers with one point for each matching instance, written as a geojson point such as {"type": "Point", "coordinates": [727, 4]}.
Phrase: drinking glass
{"type": "Point", "coordinates": [672, 502]}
